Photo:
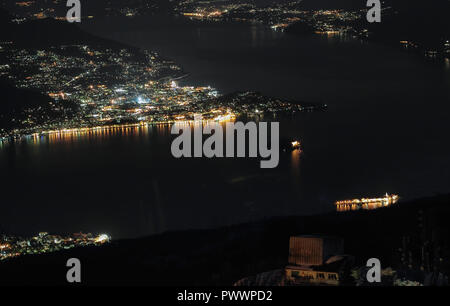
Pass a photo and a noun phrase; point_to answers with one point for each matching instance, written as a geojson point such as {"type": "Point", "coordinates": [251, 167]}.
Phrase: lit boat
{"type": "Point", "coordinates": [290, 145]}
{"type": "Point", "coordinates": [365, 203]}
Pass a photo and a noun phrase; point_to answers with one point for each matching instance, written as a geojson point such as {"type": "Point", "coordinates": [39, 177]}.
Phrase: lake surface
{"type": "Point", "coordinates": [386, 130]}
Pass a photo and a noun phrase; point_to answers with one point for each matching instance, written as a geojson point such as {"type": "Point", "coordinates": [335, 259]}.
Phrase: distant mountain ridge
{"type": "Point", "coordinates": [48, 32]}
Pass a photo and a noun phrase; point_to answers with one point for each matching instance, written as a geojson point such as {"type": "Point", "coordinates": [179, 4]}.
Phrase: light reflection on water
{"type": "Point", "coordinates": [125, 182]}
{"type": "Point", "coordinates": [94, 134]}
{"type": "Point", "coordinates": [100, 133]}
{"type": "Point", "coordinates": [385, 131]}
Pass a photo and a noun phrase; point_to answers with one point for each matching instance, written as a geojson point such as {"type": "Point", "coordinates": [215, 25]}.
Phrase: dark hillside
{"type": "Point", "coordinates": [223, 256]}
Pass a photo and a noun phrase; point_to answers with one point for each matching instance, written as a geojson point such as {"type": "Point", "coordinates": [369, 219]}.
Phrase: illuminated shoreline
{"type": "Point", "coordinates": [84, 130]}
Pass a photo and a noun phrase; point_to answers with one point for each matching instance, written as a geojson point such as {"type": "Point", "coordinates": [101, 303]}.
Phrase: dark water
{"type": "Point", "coordinates": [386, 130]}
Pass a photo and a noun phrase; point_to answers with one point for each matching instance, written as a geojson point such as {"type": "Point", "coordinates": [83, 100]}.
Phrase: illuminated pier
{"type": "Point", "coordinates": [366, 203]}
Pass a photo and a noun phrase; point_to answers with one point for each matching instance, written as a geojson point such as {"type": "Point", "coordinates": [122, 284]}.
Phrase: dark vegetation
{"type": "Point", "coordinates": [18, 106]}
{"type": "Point", "coordinates": [408, 236]}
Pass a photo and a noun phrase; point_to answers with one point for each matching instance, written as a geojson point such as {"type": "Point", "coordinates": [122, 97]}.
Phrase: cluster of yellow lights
{"type": "Point", "coordinates": [205, 14]}
{"type": "Point", "coordinates": [225, 117]}
{"type": "Point", "coordinates": [390, 199]}
{"type": "Point", "coordinates": [295, 144]}
{"type": "Point", "coordinates": [24, 3]}
{"type": "Point", "coordinates": [103, 238]}
{"type": "Point", "coordinates": [179, 119]}
{"type": "Point", "coordinates": [327, 32]}
{"type": "Point", "coordinates": [4, 246]}
{"type": "Point", "coordinates": [280, 25]}
{"type": "Point", "coordinates": [228, 116]}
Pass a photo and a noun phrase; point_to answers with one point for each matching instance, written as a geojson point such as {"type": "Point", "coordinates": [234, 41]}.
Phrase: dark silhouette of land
{"type": "Point", "coordinates": [407, 237]}
{"type": "Point", "coordinates": [44, 33]}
